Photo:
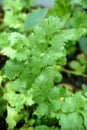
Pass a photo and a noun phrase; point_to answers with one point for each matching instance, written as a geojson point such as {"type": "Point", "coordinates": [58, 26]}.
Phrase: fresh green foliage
{"type": "Point", "coordinates": [83, 44]}
{"type": "Point", "coordinates": [2, 103]}
{"type": "Point", "coordinates": [31, 72]}
{"type": "Point", "coordinates": [82, 3]}
{"type": "Point", "coordinates": [78, 67]}
{"type": "Point", "coordinates": [30, 81]}
{"type": "Point", "coordinates": [73, 12]}
{"type": "Point", "coordinates": [15, 12]}
{"type": "Point", "coordinates": [30, 69]}
{"type": "Point", "coordinates": [35, 18]}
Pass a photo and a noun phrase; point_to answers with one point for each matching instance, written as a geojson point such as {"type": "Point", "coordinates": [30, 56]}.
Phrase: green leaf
{"type": "Point", "coordinates": [57, 92]}
{"type": "Point", "coordinates": [42, 110]}
{"type": "Point", "coordinates": [12, 117]}
{"type": "Point", "coordinates": [14, 46]}
{"type": "Point", "coordinates": [35, 18]}
{"type": "Point", "coordinates": [54, 108]}
{"type": "Point", "coordinates": [15, 15]}
{"type": "Point", "coordinates": [2, 107]}
{"type": "Point", "coordinates": [85, 118]}
{"type": "Point", "coordinates": [42, 127]}
{"type": "Point", "coordinates": [72, 121]}
{"type": "Point", "coordinates": [69, 105]}
{"type": "Point", "coordinates": [84, 88]}
{"type": "Point", "coordinates": [43, 84]}
{"type": "Point", "coordinates": [16, 101]}
{"type": "Point", "coordinates": [4, 41]}
{"type": "Point", "coordinates": [29, 128]}
{"type": "Point", "coordinates": [72, 104]}
{"type": "Point", "coordinates": [57, 77]}
{"type": "Point", "coordinates": [29, 98]}
{"type": "Point", "coordinates": [83, 44]}
{"type": "Point", "coordinates": [45, 127]}
{"type": "Point", "coordinates": [9, 52]}
{"type": "Point", "coordinates": [18, 85]}
{"type": "Point", "coordinates": [82, 59]}
{"type": "Point", "coordinates": [2, 103]}
{"type": "Point", "coordinates": [13, 69]}
{"type": "Point", "coordinates": [79, 68]}
{"type": "Point", "coordinates": [83, 3]}
{"type": "Point", "coordinates": [79, 97]}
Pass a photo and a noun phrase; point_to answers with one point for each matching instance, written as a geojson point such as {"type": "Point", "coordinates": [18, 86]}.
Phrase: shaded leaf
{"type": "Point", "coordinates": [83, 44]}
{"type": "Point", "coordinates": [72, 121]}
{"type": "Point", "coordinates": [35, 18]}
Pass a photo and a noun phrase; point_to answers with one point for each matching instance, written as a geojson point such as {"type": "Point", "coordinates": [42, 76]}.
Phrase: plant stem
{"type": "Point", "coordinates": [73, 73]}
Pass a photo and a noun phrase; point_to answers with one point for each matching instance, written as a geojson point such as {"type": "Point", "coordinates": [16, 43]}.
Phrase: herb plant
{"type": "Point", "coordinates": [31, 91]}
{"type": "Point", "coordinates": [32, 79]}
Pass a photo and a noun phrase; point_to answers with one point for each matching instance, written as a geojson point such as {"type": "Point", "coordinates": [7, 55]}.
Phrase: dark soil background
{"type": "Point", "coordinates": [3, 125]}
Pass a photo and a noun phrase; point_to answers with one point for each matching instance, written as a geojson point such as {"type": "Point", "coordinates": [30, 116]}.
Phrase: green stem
{"type": "Point", "coordinates": [73, 73]}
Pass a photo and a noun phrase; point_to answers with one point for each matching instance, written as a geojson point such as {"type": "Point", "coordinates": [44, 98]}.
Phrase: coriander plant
{"type": "Point", "coordinates": [36, 53]}
{"type": "Point", "coordinates": [32, 76]}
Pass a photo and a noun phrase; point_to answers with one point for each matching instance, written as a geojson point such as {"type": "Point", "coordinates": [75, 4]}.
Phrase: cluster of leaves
{"type": "Point", "coordinates": [31, 91]}
{"type": "Point", "coordinates": [30, 79]}
{"type": "Point", "coordinates": [31, 61]}
{"type": "Point", "coordinates": [74, 13]}
{"type": "Point", "coordinates": [15, 13]}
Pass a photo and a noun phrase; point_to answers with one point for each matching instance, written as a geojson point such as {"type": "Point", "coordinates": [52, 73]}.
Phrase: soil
{"type": "Point", "coordinates": [75, 81]}
{"type": "Point", "coordinates": [2, 60]}
{"type": "Point", "coordinates": [1, 12]}
{"type": "Point", "coordinates": [3, 125]}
